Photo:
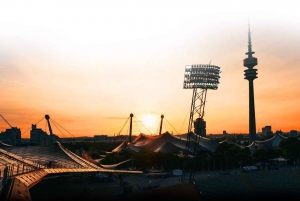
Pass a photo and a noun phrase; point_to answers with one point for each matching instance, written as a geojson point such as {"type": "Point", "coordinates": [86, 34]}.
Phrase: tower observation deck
{"type": "Point", "coordinates": [250, 75]}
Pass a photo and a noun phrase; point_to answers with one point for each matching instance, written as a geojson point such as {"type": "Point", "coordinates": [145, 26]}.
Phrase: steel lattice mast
{"type": "Point", "coordinates": [250, 75]}
{"type": "Point", "coordinates": [199, 95]}
{"type": "Point", "coordinates": [200, 78]}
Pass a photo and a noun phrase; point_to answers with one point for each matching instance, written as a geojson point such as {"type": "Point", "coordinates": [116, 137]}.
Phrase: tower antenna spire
{"type": "Point", "coordinates": [249, 53]}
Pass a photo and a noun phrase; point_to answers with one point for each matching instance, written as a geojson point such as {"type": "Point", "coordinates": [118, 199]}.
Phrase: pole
{"type": "Point", "coordinates": [130, 131]}
{"type": "Point", "coordinates": [161, 123]}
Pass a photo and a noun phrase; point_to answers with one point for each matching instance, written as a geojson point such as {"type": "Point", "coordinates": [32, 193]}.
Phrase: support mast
{"type": "Point", "coordinates": [130, 128]}
{"type": "Point", "coordinates": [161, 123]}
{"type": "Point", "coordinates": [47, 117]}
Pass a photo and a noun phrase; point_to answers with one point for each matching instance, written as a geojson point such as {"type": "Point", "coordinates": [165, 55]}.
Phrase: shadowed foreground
{"type": "Point", "coordinates": [58, 189]}
{"type": "Point", "coordinates": [283, 184]}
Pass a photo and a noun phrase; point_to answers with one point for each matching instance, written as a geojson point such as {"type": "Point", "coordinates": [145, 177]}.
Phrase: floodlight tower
{"type": "Point", "coordinates": [200, 78]}
{"type": "Point", "coordinates": [250, 75]}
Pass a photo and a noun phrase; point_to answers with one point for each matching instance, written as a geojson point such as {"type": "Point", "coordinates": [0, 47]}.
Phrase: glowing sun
{"type": "Point", "coordinates": [149, 120]}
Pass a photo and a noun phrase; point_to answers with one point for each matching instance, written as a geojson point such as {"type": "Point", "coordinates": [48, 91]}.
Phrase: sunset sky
{"type": "Point", "coordinates": [89, 64]}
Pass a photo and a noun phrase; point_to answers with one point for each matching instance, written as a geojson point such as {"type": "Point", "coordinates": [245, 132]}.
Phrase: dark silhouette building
{"type": "Point", "coordinates": [293, 133]}
{"type": "Point", "coordinates": [267, 131]}
{"type": "Point", "coordinates": [250, 75]}
{"type": "Point", "coordinates": [38, 136]}
{"type": "Point", "coordinates": [11, 136]}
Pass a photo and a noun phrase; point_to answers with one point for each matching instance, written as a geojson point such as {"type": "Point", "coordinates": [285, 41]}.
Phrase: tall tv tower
{"type": "Point", "coordinates": [250, 75]}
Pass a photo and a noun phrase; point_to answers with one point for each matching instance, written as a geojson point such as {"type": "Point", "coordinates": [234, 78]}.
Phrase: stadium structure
{"type": "Point", "coordinates": [267, 144]}
{"type": "Point", "coordinates": [165, 142]}
{"type": "Point", "coordinates": [24, 167]}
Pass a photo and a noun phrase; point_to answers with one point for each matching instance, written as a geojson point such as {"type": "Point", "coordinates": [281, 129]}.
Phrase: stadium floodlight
{"type": "Point", "coordinates": [200, 78]}
{"type": "Point", "coordinates": [203, 76]}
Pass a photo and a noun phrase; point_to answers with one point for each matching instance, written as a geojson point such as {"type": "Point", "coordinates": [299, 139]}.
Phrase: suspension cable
{"type": "Point", "coordinates": [46, 127]}
{"type": "Point", "coordinates": [35, 123]}
{"type": "Point", "coordinates": [157, 123]}
{"type": "Point", "coordinates": [54, 123]}
{"type": "Point", "coordinates": [172, 126]}
{"type": "Point", "coordinates": [128, 128]}
{"type": "Point", "coordinates": [184, 121]}
{"type": "Point", "coordinates": [165, 127]}
{"type": "Point", "coordinates": [123, 126]}
{"type": "Point", "coordinates": [138, 126]}
{"type": "Point", "coordinates": [144, 126]}
{"type": "Point", "coordinates": [61, 126]}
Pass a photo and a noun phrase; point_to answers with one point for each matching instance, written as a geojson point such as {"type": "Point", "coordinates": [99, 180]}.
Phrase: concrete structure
{"type": "Point", "coordinates": [250, 75]}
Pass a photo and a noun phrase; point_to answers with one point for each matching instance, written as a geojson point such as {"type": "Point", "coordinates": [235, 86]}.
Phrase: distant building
{"type": "Point", "coordinates": [11, 136]}
{"type": "Point", "coordinates": [100, 137]}
{"type": "Point", "coordinates": [267, 131]}
{"type": "Point", "coordinates": [38, 136]}
{"type": "Point", "coordinates": [85, 139]}
{"type": "Point", "coordinates": [293, 133]}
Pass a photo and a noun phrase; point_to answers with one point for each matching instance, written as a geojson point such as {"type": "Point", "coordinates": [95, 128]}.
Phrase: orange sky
{"type": "Point", "coordinates": [89, 64]}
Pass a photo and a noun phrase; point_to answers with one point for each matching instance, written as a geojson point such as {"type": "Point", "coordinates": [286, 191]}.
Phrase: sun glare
{"type": "Point", "coordinates": [149, 120]}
